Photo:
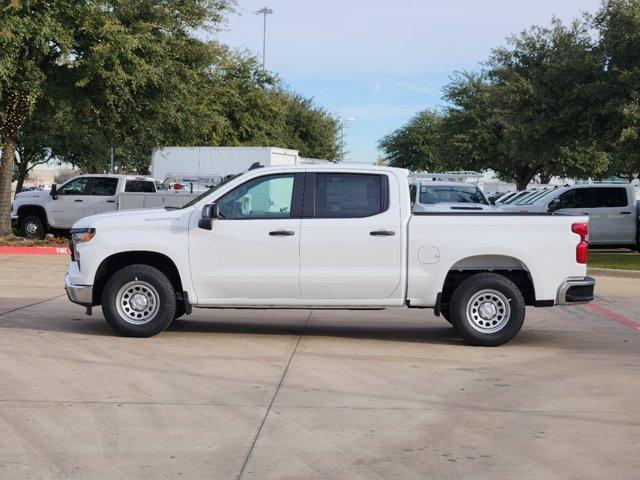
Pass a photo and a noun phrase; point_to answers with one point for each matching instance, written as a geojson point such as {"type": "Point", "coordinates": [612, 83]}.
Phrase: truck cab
{"type": "Point", "coordinates": [37, 212]}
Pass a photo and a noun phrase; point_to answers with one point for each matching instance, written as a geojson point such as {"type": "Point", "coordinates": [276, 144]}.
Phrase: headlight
{"type": "Point", "coordinates": [81, 235]}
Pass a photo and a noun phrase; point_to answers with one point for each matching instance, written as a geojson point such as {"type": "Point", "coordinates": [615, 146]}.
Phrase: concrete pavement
{"type": "Point", "coordinates": [232, 394]}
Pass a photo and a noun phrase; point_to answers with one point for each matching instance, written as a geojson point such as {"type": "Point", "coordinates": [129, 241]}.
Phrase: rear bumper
{"type": "Point", "coordinates": [80, 294]}
{"type": "Point", "coordinates": [576, 290]}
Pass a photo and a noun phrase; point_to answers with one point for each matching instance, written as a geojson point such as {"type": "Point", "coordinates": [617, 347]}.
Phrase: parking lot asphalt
{"type": "Point", "coordinates": [227, 394]}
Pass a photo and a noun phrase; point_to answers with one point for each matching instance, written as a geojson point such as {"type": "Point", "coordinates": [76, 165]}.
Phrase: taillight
{"type": "Point", "coordinates": [582, 249]}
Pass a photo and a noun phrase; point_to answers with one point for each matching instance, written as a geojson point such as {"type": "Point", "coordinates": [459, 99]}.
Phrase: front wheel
{"type": "Point", "coordinates": [33, 226]}
{"type": "Point", "coordinates": [487, 309]}
{"type": "Point", "coordinates": [139, 301]}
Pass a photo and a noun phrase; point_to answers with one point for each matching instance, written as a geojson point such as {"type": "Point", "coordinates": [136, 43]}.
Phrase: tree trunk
{"type": "Point", "coordinates": [23, 172]}
{"type": "Point", "coordinates": [545, 178]}
{"type": "Point", "coordinates": [6, 170]}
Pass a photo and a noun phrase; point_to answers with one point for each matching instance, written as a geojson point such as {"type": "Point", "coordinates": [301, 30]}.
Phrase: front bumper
{"type": "Point", "coordinates": [576, 290]}
{"type": "Point", "coordinates": [80, 294]}
{"type": "Point", "coordinates": [14, 221]}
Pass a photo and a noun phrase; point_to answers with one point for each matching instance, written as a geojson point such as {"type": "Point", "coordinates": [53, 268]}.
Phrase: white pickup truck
{"type": "Point", "coordinates": [334, 236]}
{"type": "Point", "coordinates": [37, 212]}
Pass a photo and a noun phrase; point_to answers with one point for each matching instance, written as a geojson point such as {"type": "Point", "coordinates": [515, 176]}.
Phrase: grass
{"type": "Point", "coordinates": [620, 261]}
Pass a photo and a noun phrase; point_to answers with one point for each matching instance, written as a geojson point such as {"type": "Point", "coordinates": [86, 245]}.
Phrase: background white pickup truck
{"type": "Point", "coordinates": [336, 236]}
{"type": "Point", "coordinates": [36, 212]}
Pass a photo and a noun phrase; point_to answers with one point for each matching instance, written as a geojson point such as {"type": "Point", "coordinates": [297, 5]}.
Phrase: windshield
{"type": "Point", "coordinates": [529, 200]}
{"type": "Point", "coordinates": [517, 196]}
{"type": "Point", "coordinates": [430, 194]}
{"type": "Point", "coordinates": [212, 189]}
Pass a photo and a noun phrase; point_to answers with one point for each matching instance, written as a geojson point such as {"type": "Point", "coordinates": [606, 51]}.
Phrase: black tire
{"type": "Point", "coordinates": [478, 298]}
{"type": "Point", "coordinates": [33, 226]}
{"type": "Point", "coordinates": [155, 301]}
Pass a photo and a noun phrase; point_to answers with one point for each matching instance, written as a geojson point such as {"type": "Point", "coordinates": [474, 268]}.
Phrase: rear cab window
{"type": "Point", "coordinates": [430, 194]}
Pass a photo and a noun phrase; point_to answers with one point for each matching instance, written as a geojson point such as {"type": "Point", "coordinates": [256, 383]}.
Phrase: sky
{"type": "Point", "coordinates": [377, 62]}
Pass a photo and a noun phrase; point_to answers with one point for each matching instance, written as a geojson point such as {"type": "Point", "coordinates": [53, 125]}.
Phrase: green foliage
{"type": "Point", "coordinates": [553, 101]}
{"type": "Point", "coordinates": [132, 74]}
{"type": "Point", "coordinates": [618, 24]}
{"type": "Point", "coordinates": [416, 144]}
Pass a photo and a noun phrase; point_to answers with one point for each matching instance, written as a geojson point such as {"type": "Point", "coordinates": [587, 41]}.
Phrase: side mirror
{"type": "Point", "coordinates": [209, 213]}
{"type": "Point", "coordinates": [54, 191]}
{"type": "Point", "coordinates": [554, 205]}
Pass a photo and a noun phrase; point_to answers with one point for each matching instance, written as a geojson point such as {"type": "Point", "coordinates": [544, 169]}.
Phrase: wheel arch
{"type": "Point", "coordinates": [508, 266]}
{"type": "Point", "coordinates": [24, 210]}
{"type": "Point", "coordinates": [115, 262]}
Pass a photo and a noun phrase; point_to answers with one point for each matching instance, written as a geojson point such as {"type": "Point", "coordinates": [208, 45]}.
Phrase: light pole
{"type": "Point", "coordinates": [343, 142]}
{"type": "Point", "coordinates": [264, 12]}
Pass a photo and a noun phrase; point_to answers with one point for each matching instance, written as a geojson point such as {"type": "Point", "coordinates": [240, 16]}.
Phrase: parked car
{"type": "Point", "coordinates": [493, 197]}
{"type": "Point", "coordinates": [611, 207]}
{"type": "Point", "coordinates": [334, 236]}
{"type": "Point", "coordinates": [434, 196]}
{"type": "Point", "coordinates": [37, 212]}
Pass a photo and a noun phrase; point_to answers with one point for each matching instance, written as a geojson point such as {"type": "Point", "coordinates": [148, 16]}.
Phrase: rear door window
{"type": "Point", "coordinates": [105, 187]}
{"type": "Point", "coordinates": [349, 195]}
{"type": "Point", "coordinates": [140, 186]}
{"type": "Point", "coordinates": [610, 197]}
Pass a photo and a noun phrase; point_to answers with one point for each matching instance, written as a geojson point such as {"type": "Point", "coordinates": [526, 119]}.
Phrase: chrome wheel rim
{"type": "Point", "coordinates": [138, 302]}
{"type": "Point", "coordinates": [488, 311]}
{"type": "Point", "coordinates": [31, 229]}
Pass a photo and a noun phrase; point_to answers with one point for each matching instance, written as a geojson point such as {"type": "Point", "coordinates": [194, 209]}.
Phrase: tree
{"type": "Point", "coordinates": [618, 24]}
{"type": "Point", "coordinates": [111, 52]}
{"type": "Point", "coordinates": [35, 34]}
{"type": "Point", "coordinates": [417, 144]}
{"type": "Point", "coordinates": [534, 110]}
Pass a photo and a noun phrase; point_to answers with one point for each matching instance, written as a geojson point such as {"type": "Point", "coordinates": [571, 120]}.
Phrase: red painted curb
{"type": "Point", "coordinates": [35, 251]}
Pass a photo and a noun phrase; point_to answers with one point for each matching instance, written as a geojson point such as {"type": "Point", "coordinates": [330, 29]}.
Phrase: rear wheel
{"type": "Point", "coordinates": [139, 301]}
{"type": "Point", "coordinates": [487, 309]}
{"type": "Point", "coordinates": [33, 226]}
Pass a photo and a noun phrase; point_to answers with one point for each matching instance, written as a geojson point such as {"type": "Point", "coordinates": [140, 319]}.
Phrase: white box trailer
{"type": "Point", "coordinates": [201, 161]}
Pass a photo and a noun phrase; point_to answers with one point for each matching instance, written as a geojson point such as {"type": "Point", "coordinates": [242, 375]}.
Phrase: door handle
{"type": "Point", "coordinates": [382, 233]}
{"type": "Point", "coordinates": [625, 213]}
{"type": "Point", "coordinates": [281, 233]}
{"type": "Point", "coordinates": [77, 201]}
{"type": "Point", "coordinates": [111, 201]}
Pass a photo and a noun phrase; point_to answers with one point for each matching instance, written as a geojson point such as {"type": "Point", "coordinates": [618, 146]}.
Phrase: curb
{"type": "Point", "coordinates": [613, 272]}
{"type": "Point", "coordinates": [35, 251]}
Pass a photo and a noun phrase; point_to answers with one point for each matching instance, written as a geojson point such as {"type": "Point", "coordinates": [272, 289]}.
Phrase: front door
{"type": "Point", "coordinates": [351, 241]}
{"type": "Point", "coordinates": [68, 208]}
{"type": "Point", "coordinates": [252, 253]}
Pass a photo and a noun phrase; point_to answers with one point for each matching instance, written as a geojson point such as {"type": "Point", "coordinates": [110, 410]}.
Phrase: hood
{"type": "Point", "coordinates": [32, 194]}
{"type": "Point", "coordinates": [132, 218]}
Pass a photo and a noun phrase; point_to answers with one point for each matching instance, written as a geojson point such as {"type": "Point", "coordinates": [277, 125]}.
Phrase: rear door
{"type": "Point", "coordinates": [103, 196]}
{"type": "Point", "coordinates": [351, 240]}
{"type": "Point", "coordinates": [611, 218]}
